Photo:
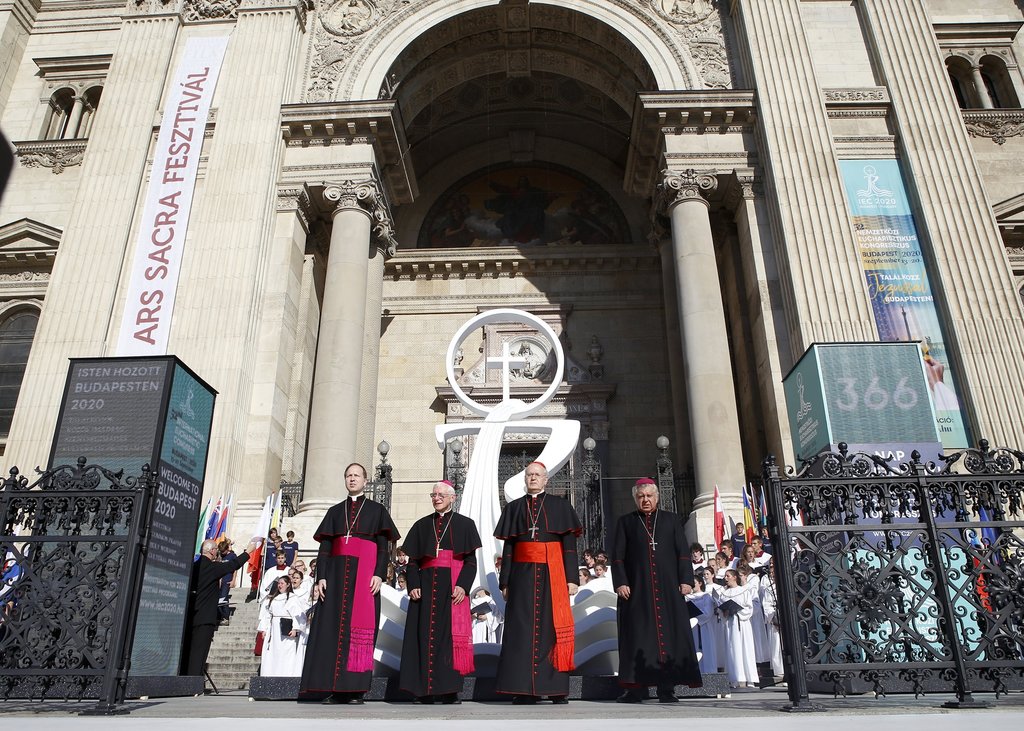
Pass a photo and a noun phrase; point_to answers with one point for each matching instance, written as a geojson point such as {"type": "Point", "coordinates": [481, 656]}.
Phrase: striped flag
{"type": "Point", "coordinates": [201, 530]}
{"type": "Point", "coordinates": [262, 529]}
{"type": "Point", "coordinates": [275, 518]}
{"type": "Point", "coordinates": [719, 521]}
{"type": "Point", "coordinates": [764, 509]}
{"type": "Point", "coordinates": [211, 522]}
{"type": "Point", "coordinates": [748, 517]}
{"type": "Point", "coordinates": [222, 521]}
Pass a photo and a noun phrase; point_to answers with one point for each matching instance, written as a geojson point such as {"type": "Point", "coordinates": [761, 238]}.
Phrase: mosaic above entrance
{"type": "Point", "coordinates": [523, 205]}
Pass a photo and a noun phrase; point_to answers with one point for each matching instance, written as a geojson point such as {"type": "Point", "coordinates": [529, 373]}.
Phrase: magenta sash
{"type": "Point", "coordinates": [364, 614]}
{"type": "Point", "coordinates": [462, 622]}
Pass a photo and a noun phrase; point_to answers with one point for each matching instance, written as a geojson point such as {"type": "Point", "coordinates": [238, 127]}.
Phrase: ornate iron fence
{"type": "Point", "coordinates": [904, 578]}
{"type": "Point", "coordinates": [73, 542]}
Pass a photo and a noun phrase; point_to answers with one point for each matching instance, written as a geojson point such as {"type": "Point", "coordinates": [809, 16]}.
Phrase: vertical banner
{"type": "Point", "coordinates": [901, 294]}
{"type": "Point", "coordinates": [153, 279]}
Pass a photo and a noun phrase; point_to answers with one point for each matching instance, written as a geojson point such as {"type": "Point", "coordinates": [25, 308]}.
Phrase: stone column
{"type": "Point", "coordinates": [276, 343]}
{"type": "Point", "coordinates": [681, 445]}
{"type": "Point", "coordinates": [827, 298]}
{"type": "Point", "coordinates": [16, 20]}
{"type": "Point", "coordinates": [82, 295]}
{"type": "Point", "coordinates": [228, 276]}
{"type": "Point", "coordinates": [334, 423]}
{"type": "Point", "coordinates": [983, 321]}
{"type": "Point", "coordinates": [714, 421]}
{"type": "Point", "coordinates": [979, 87]}
{"type": "Point", "coordinates": [77, 109]}
{"type": "Point", "coordinates": [763, 310]}
{"type": "Point", "coordinates": [367, 436]}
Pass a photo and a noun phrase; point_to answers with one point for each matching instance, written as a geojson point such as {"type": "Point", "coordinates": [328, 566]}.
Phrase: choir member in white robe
{"type": "Point", "coordinates": [718, 624]}
{"type": "Point", "coordinates": [770, 603]}
{"type": "Point", "coordinates": [752, 581]}
{"type": "Point", "coordinates": [282, 651]}
{"type": "Point", "coordinates": [704, 639]}
{"type": "Point", "coordinates": [740, 664]}
{"type": "Point", "coordinates": [486, 621]}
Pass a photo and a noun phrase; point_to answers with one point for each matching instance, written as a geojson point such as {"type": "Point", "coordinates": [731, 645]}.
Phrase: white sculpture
{"type": "Point", "coordinates": [480, 493]}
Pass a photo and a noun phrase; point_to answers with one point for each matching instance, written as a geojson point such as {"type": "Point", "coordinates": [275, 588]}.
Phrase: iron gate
{"type": "Point", "coordinates": [73, 542]}
{"type": "Point", "coordinates": [905, 578]}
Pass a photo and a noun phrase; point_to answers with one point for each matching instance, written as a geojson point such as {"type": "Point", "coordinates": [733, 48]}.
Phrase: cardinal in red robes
{"type": "Point", "coordinates": [538, 574]}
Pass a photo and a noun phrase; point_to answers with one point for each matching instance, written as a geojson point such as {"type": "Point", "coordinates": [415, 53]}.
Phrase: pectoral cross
{"type": "Point", "coordinates": [533, 532]}
{"type": "Point", "coordinates": [653, 544]}
{"type": "Point", "coordinates": [347, 536]}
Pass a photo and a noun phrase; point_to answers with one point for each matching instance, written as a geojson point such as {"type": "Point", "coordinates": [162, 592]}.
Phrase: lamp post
{"type": "Point", "coordinates": [666, 477]}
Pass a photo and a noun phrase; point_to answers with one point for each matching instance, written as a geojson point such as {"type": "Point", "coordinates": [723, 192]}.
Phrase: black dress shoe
{"type": "Point", "coordinates": [451, 699]}
{"type": "Point", "coordinates": [331, 700]}
{"type": "Point", "coordinates": [667, 698]}
{"type": "Point", "coordinates": [630, 696]}
{"type": "Point", "coordinates": [524, 700]}
{"type": "Point", "coordinates": [355, 701]}
{"type": "Point", "coordinates": [427, 700]}
{"type": "Point", "coordinates": [559, 700]}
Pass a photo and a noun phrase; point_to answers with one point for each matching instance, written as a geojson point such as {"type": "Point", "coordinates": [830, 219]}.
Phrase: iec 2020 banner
{"type": "Point", "coordinates": [897, 279]}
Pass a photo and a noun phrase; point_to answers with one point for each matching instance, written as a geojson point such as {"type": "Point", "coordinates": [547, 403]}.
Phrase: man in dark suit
{"type": "Point", "coordinates": [204, 591]}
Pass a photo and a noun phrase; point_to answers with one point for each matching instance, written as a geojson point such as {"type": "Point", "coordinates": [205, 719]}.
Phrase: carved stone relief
{"type": "Point", "coordinates": [995, 125]}
{"type": "Point", "coordinates": [343, 26]}
{"type": "Point", "coordinates": [339, 26]}
{"type": "Point", "coordinates": [58, 156]}
{"type": "Point", "coordinates": [700, 24]}
{"type": "Point", "coordinates": [195, 10]}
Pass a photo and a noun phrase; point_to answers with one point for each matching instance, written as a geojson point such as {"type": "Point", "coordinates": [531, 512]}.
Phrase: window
{"type": "Point", "coordinates": [72, 90]}
{"type": "Point", "coordinates": [982, 64]}
{"type": "Point", "coordinates": [16, 333]}
{"type": "Point", "coordinates": [997, 83]}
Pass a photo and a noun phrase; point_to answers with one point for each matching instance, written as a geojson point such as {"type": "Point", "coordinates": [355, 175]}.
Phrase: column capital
{"type": "Point", "coordinates": [134, 8]}
{"type": "Point", "coordinates": [740, 185]}
{"type": "Point", "coordinates": [367, 197]}
{"type": "Point", "coordinates": [680, 186]}
{"type": "Point", "coordinates": [299, 200]}
{"type": "Point", "coordinates": [301, 8]}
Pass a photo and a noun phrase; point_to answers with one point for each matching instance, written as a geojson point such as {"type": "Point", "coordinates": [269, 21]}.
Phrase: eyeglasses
{"type": "Point", "coordinates": [440, 494]}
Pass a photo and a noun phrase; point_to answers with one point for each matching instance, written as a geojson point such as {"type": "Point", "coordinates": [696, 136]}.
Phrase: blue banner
{"type": "Point", "coordinates": [896, 273]}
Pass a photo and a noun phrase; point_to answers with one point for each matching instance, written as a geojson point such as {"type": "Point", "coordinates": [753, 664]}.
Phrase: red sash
{"type": "Point", "coordinates": [550, 553]}
{"type": "Point", "coordinates": [462, 622]}
{"type": "Point", "coordinates": [364, 614]}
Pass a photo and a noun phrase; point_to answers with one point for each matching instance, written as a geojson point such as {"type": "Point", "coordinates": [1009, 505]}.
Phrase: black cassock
{"type": "Point", "coordinates": [323, 671]}
{"type": "Point", "coordinates": [655, 640]}
{"type": "Point", "coordinates": [427, 661]}
{"type": "Point", "coordinates": [525, 665]}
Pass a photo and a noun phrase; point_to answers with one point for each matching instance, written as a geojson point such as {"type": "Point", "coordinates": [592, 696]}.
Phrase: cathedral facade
{"type": "Point", "coordinates": [690, 192]}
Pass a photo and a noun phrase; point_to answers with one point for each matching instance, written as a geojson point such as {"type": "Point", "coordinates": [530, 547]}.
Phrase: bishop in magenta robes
{"type": "Point", "coordinates": [351, 566]}
{"type": "Point", "coordinates": [438, 647]}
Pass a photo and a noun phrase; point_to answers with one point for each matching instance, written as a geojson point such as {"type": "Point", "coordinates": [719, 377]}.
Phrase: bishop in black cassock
{"type": "Point", "coordinates": [651, 572]}
{"type": "Point", "coordinates": [339, 654]}
{"type": "Point", "coordinates": [538, 573]}
{"type": "Point", "coordinates": [438, 647]}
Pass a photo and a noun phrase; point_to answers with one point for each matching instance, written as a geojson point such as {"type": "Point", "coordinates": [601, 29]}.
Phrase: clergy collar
{"type": "Point", "coordinates": [441, 515]}
{"type": "Point", "coordinates": [353, 498]}
{"type": "Point", "coordinates": [537, 494]}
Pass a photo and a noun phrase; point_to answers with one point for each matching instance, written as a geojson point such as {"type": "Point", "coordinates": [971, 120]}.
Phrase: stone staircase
{"type": "Point", "coordinates": [231, 662]}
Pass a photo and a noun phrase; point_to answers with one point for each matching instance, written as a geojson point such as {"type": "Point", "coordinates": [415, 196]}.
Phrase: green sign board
{"type": "Point", "coordinates": [873, 396]}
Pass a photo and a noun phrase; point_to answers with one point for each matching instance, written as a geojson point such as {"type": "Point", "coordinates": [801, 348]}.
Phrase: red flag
{"type": "Point", "coordinates": [719, 521]}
